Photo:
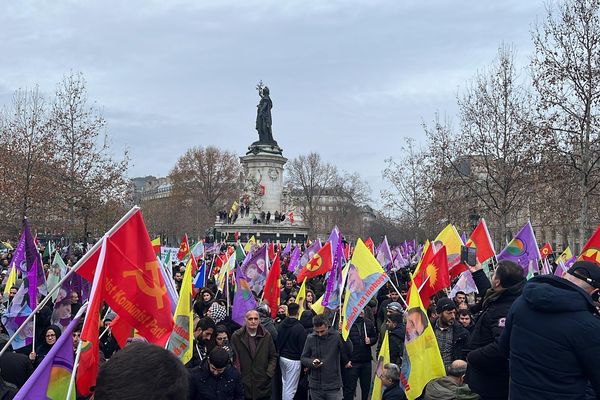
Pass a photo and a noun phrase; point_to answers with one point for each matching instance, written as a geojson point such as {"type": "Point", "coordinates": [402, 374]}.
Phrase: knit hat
{"type": "Point", "coordinates": [394, 306]}
{"type": "Point", "coordinates": [586, 271]}
{"type": "Point", "coordinates": [444, 304]}
{"type": "Point", "coordinates": [218, 357]}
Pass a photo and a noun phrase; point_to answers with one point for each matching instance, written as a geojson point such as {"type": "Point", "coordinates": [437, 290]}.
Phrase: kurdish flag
{"type": "Point", "coordinates": [382, 359]}
{"type": "Point", "coordinates": [522, 249]}
{"type": "Point", "coordinates": [51, 378]}
{"type": "Point", "coordinates": [422, 360]}
{"type": "Point", "coordinates": [156, 245]}
{"type": "Point", "coordinates": [300, 299]}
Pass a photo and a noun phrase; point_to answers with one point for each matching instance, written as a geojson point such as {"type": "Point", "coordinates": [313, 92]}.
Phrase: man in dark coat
{"type": "Point", "coordinates": [324, 354]}
{"type": "Point", "coordinates": [363, 336]}
{"type": "Point", "coordinates": [396, 331]}
{"type": "Point", "coordinates": [290, 342]}
{"type": "Point", "coordinates": [216, 379]}
{"type": "Point", "coordinates": [390, 379]}
{"type": "Point", "coordinates": [487, 374]}
{"type": "Point", "coordinates": [561, 315]}
{"type": "Point", "coordinates": [256, 357]}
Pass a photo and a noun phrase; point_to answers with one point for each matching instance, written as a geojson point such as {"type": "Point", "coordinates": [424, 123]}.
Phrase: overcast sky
{"type": "Point", "coordinates": [348, 79]}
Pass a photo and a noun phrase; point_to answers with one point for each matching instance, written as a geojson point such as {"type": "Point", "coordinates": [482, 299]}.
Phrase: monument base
{"type": "Point", "coordinates": [275, 232]}
{"type": "Point", "coordinates": [265, 147]}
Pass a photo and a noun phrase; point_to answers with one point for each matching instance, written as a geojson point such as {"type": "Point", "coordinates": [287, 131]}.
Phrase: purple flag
{"type": "Point", "coordinates": [331, 298]}
{"type": "Point", "coordinates": [17, 313]}
{"type": "Point", "coordinates": [399, 260]}
{"type": "Point", "coordinates": [254, 269]}
{"type": "Point", "coordinates": [384, 255]}
{"type": "Point", "coordinates": [294, 259]}
{"type": "Point", "coordinates": [51, 378]}
{"type": "Point", "coordinates": [27, 259]}
{"type": "Point", "coordinates": [288, 248]}
{"type": "Point", "coordinates": [464, 284]}
{"type": "Point", "coordinates": [522, 249]}
{"type": "Point", "coordinates": [243, 300]}
{"type": "Point", "coordinates": [334, 237]}
{"type": "Point", "coordinates": [463, 237]}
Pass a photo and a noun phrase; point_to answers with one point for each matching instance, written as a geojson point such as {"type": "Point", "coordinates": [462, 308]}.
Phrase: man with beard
{"type": "Point", "coordinates": [203, 333]}
{"type": "Point", "coordinates": [452, 338]}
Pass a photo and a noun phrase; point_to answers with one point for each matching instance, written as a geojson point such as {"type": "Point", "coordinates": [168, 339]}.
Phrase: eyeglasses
{"type": "Point", "coordinates": [51, 335]}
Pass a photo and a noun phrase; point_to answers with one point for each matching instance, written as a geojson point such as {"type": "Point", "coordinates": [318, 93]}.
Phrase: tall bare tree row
{"type": "Point", "coordinates": [56, 165]}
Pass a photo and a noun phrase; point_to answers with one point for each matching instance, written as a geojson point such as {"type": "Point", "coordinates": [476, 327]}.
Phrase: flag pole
{"type": "Point", "coordinates": [397, 291]}
{"type": "Point", "coordinates": [34, 335]}
{"type": "Point", "coordinates": [74, 372]}
{"type": "Point", "coordinates": [75, 267]}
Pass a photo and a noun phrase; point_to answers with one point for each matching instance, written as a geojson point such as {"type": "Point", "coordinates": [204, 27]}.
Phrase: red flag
{"type": "Point", "coordinates": [591, 250]}
{"type": "Point", "coordinates": [481, 240]}
{"type": "Point", "coordinates": [236, 236]}
{"type": "Point", "coordinates": [347, 251]}
{"type": "Point", "coordinates": [271, 249]}
{"type": "Point", "coordinates": [546, 250]}
{"type": "Point", "coordinates": [370, 245]}
{"type": "Point", "coordinates": [90, 345]}
{"type": "Point", "coordinates": [272, 290]}
{"type": "Point", "coordinates": [433, 275]}
{"type": "Point", "coordinates": [133, 285]}
{"type": "Point", "coordinates": [291, 217]}
{"type": "Point", "coordinates": [120, 330]}
{"type": "Point", "coordinates": [184, 248]}
{"type": "Point", "coordinates": [320, 264]}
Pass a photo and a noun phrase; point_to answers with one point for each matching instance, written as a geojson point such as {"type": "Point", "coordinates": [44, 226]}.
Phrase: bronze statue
{"type": "Point", "coordinates": [263, 115]}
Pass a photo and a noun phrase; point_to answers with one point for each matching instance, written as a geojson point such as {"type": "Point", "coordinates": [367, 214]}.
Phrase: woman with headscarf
{"type": "Point", "coordinates": [204, 300]}
{"type": "Point", "coordinates": [49, 337]}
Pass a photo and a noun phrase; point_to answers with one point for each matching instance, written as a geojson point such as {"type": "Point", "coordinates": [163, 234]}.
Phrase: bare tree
{"type": "Point", "coordinates": [90, 176]}
{"type": "Point", "coordinates": [310, 177]}
{"type": "Point", "coordinates": [501, 146]}
{"type": "Point", "coordinates": [566, 75]}
{"type": "Point", "coordinates": [408, 196]}
{"type": "Point", "coordinates": [26, 167]}
{"type": "Point", "coordinates": [205, 181]}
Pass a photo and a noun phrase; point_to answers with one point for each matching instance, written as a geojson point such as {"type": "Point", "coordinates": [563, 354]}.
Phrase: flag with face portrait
{"type": "Point", "coordinates": [364, 278]}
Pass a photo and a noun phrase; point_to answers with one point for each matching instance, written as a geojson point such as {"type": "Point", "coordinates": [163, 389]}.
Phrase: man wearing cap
{"type": "Point", "coordinates": [551, 336]}
{"type": "Point", "coordinates": [216, 378]}
{"type": "Point", "coordinates": [452, 338]}
{"type": "Point", "coordinates": [391, 309]}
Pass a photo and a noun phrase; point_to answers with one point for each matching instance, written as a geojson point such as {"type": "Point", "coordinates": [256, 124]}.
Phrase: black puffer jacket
{"type": "Point", "coordinates": [396, 339]}
{"type": "Point", "coordinates": [552, 337]}
{"type": "Point", "coordinates": [361, 352]}
{"type": "Point", "coordinates": [204, 385]}
{"type": "Point", "coordinates": [488, 370]}
{"type": "Point", "coordinates": [290, 339]}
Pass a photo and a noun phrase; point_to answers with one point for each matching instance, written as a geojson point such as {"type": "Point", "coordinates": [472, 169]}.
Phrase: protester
{"type": "Point", "coordinates": [216, 379]}
{"type": "Point", "coordinates": [363, 337]}
{"type": "Point", "coordinates": [451, 387]}
{"type": "Point", "coordinates": [50, 335]}
{"type": "Point", "coordinates": [15, 368]}
{"type": "Point", "coordinates": [488, 370]}
{"type": "Point", "coordinates": [142, 371]}
{"type": "Point", "coordinates": [392, 297]}
{"type": "Point", "coordinates": [466, 319]}
{"type": "Point", "coordinates": [391, 381]}
{"type": "Point", "coordinates": [256, 357]}
{"type": "Point", "coordinates": [290, 343]}
{"type": "Point", "coordinates": [266, 321]}
{"type": "Point", "coordinates": [203, 334]}
{"type": "Point", "coordinates": [396, 332]}
{"type": "Point", "coordinates": [324, 354]}
{"type": "Point", "coordinates": [391, 309]}
{"type": "Point", "coordinates": [203, 301]}
{"type": "Point", "coordinates": [452, 338]}
{"type": "Point", "coordinates": [460, 297]}
{"type": "Point", "coordinates": [561, 314]}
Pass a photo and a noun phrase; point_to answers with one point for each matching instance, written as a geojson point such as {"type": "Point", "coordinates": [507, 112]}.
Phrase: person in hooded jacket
{"type": "Point", "coordinates": [561, 314]}
{"type": "Point", "coordinates": [50, 335]}
{"type": "Point", "coordinates": [363, 336]}
{"type": "Point", "coordinates": [488, 370]}
{"type": "Point", "coordinates": [290, 342]}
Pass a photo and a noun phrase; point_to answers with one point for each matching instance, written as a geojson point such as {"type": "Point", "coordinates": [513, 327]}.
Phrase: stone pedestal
{"type": "Point", "coordinates": [264, 177]}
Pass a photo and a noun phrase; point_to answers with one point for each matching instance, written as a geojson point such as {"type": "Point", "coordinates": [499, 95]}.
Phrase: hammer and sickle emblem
{"type": "Point", "coordinates": [315, 263]}
{"type": "Point", "coordinates": [154, 291]}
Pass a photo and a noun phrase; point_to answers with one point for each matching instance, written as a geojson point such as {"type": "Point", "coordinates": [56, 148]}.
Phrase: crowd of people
{"type": "Point", "coordinates": [547, 327]}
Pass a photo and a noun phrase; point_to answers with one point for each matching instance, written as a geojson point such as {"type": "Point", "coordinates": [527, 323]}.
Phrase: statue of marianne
{"type": "Point", "coordinates": [263, 115]}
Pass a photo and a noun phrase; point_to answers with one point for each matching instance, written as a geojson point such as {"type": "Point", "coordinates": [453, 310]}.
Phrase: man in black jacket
{"type": "Point", "coordinates": [561, 315]}
{"type": "Point", "coordinates": [216, 378]}
{"type": "Point", "coordinates": [396, 331]}
{"type": "Point", "coordinates": [324, 354]}
{"type": "Point", "coordinates": [363, 337]}
{"type": "Point", "coordinates": [487, 374]}
{"type": "Point", "coordinates": [290, 342]}
{"type": "Point", "coordinates": [452, 338]}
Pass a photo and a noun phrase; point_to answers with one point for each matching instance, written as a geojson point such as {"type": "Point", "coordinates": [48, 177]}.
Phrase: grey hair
{"type": "Point", "coordinates": [457, 369]}
{"type": "Point", "coordinates": [392, 372]}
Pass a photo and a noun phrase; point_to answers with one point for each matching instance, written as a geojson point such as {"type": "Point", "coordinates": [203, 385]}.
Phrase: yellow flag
{"type": "Point", "coordinates": [318, 306]}
{"type": "Point", "coordinates": [451, 239]}
{"type": "Point", "coordinates": [382, 359]}
{"type": "Point", "coordinates": [181, 339]}
{"type": "Point", "coordinates": [10, 282]}
{"type": "Point", "coordinates": [565, 256]}
{"type": "Point", "coordinates": [251, 242]}
{"type": "Point", "coordinates": [365, 278]}
{"type": "Point", "coordinates": [301, 297]}
{"type": "Point", "coordinates": [422, 361]}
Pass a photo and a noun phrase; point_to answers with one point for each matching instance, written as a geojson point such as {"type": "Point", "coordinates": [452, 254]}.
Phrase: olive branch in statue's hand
{"type": "Point", "coordinates": [260, 86]}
